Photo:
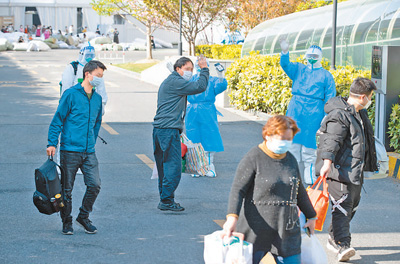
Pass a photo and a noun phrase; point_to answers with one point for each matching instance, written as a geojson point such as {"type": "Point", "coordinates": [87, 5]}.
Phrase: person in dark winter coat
{"type": "Point", "coordinates": [265, 194]}
{"type": "Point", "coordinates": [346, 148]}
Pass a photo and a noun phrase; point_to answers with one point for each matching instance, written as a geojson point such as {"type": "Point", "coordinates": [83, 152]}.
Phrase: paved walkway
{"type": "Point", "coordinates": [131, 229]}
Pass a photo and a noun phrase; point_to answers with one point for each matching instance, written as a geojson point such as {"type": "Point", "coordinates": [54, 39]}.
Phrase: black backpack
{"type": "Point", "coordinates": [75, 66]}
{"type": "Point", "coordinates": [48, 196]}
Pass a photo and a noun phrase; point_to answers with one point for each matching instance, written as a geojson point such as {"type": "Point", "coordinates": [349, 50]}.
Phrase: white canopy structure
{"type": "Point", "coordinates": [57, 13]}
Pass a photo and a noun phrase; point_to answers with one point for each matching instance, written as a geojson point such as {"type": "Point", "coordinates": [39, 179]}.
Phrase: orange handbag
{"type": "Point", "coordinates": [319, 200]}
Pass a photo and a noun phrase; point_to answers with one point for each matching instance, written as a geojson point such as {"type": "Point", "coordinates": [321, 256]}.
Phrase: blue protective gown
{"type": "Point", "coordinates": [201, 115]}
{"type": "Point", "coordinates": [311, 89]}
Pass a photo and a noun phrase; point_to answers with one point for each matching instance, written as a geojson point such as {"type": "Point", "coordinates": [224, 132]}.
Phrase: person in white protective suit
{"type": "Point", "coordinates": [201, 117]}
{"type": "Point", "coordinates": [71, 77]}
{"type": "Point", "coordinates": [312, 87]}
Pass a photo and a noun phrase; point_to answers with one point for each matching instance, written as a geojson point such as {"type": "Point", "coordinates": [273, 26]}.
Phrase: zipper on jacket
{"type": "Point", "coordinates": [87, 134]}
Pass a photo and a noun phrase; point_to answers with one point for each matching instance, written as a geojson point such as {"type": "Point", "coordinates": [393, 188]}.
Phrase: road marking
{"type": "Point", "coordinates": [146, 160]}
{"type": "Point", "coordinates": [109, 129]}
{"type": "Point", "coordinates": [220, 222]}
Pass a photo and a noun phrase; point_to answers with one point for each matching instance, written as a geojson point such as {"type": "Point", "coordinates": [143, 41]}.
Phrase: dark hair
{"type": "Point", "coordinates": [93, 65]}
{"type": "Point", "coordinates": [181, 62]}
{"type": "Point", "coordinates": [362, 86]}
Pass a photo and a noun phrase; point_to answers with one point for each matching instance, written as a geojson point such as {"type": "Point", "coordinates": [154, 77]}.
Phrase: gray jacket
{"type": "Point", "coordinates": [171, 102]}
{"type": "Point", "coordinates": [345, 138]}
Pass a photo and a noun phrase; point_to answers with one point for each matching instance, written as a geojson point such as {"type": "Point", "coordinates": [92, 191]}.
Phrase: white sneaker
{"type": "Point", "coordinates": [195, 176]}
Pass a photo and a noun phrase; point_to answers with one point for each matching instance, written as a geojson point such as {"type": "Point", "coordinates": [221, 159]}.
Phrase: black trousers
{"type": "Point", "coordinates": [347, 196]}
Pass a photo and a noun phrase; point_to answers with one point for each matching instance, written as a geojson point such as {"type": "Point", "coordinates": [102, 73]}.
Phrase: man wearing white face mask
{"type": "Point", "coordinates": [312, 87]}
{"type": "Point", "coordinates": [73, 74]}
{"type": "Point", "coordinates": [168, 125]}
{"type": "Point", "coordinates": [346, 149]}
{"type": "Point", "coordinates": [78, 119]}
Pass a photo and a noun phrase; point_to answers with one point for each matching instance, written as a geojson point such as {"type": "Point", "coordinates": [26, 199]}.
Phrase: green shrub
{"type": "Point", "coordinates": [221, 52]}
{"type": "Point", "coordinates": [258, 82]}
{"type": "Point", "coordinates": [394, 128]}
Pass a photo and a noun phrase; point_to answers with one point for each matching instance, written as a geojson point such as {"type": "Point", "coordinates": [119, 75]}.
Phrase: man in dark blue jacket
{"type": "Point", "coordinates": [78, 119]}
{"type": "Point", "coordinates": [168, 125]}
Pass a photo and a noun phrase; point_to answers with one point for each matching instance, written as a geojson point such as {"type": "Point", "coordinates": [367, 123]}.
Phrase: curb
{"type": "Point", "coordinates": [394, 165]}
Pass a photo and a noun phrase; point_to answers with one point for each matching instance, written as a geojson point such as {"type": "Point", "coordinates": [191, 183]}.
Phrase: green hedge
{"type": "Point", "coordinates": [394, 128]}
{"type": "Point", "coordinates": [221, 52]}
{"type": "Point", "coordinates": [258, 82]}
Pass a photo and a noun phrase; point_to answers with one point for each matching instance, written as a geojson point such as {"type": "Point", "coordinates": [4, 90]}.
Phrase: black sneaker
{"type": "Point", "coordinates": [345, 252]}
{"type": "Point", "coordinates": [67, 228]}
{"type": "Point", "coordinates": [331, 245]}
{"type": "Point", "coordinates": [170, 207]}
{"type": "Point", "coordinates": [87, 225]}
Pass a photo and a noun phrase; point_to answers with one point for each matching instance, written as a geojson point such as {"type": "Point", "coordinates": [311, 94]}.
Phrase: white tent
{"type": "Point", "coordinates": [55, 13]}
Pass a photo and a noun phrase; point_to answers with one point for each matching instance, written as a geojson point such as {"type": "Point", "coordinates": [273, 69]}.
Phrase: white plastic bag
{"type": "Point", "coordinates": [154, 175]}
{"type": "Point", "coordinates": [233, 251]}
{"type": "Point", "coordinates": [312, 251]}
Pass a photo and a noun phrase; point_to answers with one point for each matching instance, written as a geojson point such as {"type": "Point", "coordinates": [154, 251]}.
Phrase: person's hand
{"type": "Point", "coordinates": [202, 62]}
{"type": "Point", "coordinates": [326, 168]}
{"type": "Point", "coordinates": [311, 225]}
{"type": "Point", "coordinates": [229, 226]}
{"type": "Point", "coordinates": [284, 45]}
{"type": "Point", "coordinates": [220, 75]}
{"type": "Point", "coordinates": [51, 151]}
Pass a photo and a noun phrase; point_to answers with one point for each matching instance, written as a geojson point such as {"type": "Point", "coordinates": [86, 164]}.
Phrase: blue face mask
{"type": "Point", "coordinates": [187, 75]}
{"type": "Point", "coordinates": [279, 146]}
{"type": "Point", "coordinates": [96, 81]}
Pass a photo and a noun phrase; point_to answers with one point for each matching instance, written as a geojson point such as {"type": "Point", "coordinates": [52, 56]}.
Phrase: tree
{"type": "Point", "coordinates": [197, 15]}
{"type": "Point", "coordinates": [314, 4]}
{"type": "Point", "coordinates": [246, 14]}
{"type": "Point", "coordinates": [142, 12]}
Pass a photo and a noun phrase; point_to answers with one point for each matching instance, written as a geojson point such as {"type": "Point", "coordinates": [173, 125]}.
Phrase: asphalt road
{"type": "Point", "coordinates": [131, 228]}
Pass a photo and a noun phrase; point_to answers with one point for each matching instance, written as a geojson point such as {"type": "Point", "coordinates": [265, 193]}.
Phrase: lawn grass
{"type": "Point", "coordinates": [135, 67]}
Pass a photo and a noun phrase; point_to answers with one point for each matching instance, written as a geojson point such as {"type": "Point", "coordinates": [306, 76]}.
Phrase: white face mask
{"type": "Point", "coordinates": [278, 146]}
{"type": "Point", "coordinates": [187, 75]}
{"type": "Point", "coordinates": [367, 104]}
{"type": "Point", "coordinates": [96, 81]}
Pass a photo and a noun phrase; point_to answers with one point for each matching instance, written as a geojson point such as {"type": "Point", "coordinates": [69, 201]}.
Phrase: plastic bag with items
{"type": "Point", "coordinates": [233, 250]}
{"type": "Point", "coordinates": [312, 251]}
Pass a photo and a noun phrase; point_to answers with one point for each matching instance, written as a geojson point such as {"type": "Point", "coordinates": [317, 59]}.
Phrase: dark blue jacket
{"type": "Point", "coordinates": [171, 102]}
{"type": "Point", "coordinates": [78, 119]}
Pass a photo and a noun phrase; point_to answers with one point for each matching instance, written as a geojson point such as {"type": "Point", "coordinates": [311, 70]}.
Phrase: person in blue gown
{"type": "Point", "coordinates": [312, 87]}
{"type": "Point", "coordinates": [201, 117]}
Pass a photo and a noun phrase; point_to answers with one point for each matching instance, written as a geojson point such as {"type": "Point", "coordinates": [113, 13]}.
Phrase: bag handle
{"type": "Point", "coordinates": [317, 184]}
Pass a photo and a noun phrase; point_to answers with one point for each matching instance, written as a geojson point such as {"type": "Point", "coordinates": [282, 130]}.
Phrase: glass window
{"type": "Point", "coordinates": [396, 29]}
{"type": "Point", "coordinates": [304, 40]}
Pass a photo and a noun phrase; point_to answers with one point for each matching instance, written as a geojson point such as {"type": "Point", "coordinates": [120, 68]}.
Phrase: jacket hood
{"type": "Point", "coordinates": [338, 103]}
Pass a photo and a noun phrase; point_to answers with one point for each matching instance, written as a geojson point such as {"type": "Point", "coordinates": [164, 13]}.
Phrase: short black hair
{"type": "Point", "coordinates": [93, 65]}
{"type": "Point", "coordinates": [362, 86]}
{"type": "Point", "coordinates": [181, 62]}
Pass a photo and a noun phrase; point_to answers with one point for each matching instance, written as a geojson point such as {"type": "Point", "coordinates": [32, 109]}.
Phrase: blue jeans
{"type": "Point", "coordinates": [295, 259]}
{"type": "Point", "coordinates": [167, 153]}
{"type": "Point", "coordinates": [87, 162]}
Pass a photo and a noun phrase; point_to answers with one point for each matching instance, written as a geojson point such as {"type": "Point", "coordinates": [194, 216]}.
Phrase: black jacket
{"type": "Point", "coordinates": [347, 139]}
